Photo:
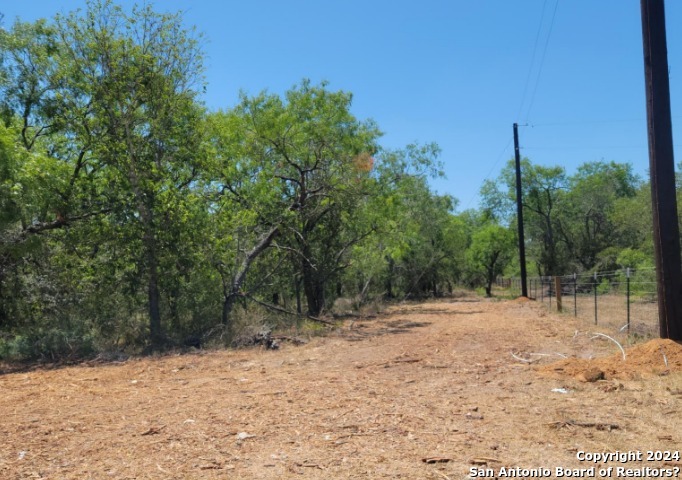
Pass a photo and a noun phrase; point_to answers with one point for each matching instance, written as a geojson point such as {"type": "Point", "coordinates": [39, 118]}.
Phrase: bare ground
{"type": "Point", "coordinates": [420, 392]}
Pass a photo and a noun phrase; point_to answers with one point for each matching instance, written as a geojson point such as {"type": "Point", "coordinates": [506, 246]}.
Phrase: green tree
{"type": "Point", "coordinates": [491, 250]}
{"type": "Point", "coordinates": [543, 194]}
{"type": "Point", "coordinates": [108, 98]}
{"type": "Point", "coordinates": [138, 72]}
{"type": "Point", "coordinates": [418, 245]}
{"type": "Point", "coordinates": [299, 167]}
{"type": "Point", "coordinates": [587, 224]}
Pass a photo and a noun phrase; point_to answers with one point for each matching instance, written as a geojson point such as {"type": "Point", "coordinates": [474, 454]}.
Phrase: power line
{"type": "Point", "coordinates": [590, 147]}
{"type": "Point", "coordinates": [497, 161]}
{"type": "Point", "coordinates": [527, 83]}
{"type": "Point", "coordinates": [588, 122]}
{"type": "Point", "coordinates": [542, 60]}
{"type": "Point", "coordinates": [532, 60]}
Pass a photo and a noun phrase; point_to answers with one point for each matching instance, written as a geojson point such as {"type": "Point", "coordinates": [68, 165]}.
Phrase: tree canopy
{"type": "Point", "coordinates": [133, 218]}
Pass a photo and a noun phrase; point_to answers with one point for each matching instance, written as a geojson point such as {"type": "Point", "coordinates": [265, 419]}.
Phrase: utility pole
{"type": "Point", "coordinates": [662, 170]}
{"type": "Point", "coordinates": [519, 213]}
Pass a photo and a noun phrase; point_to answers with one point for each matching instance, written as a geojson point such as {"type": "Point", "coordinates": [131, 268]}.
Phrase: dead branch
{"type": "Point", "coordinates": [39, 227]}
{"type": "Point", "coordinates": [288, 312]}
{"type": "Point", "coordinates": [431, 460]}
{"type": "Point", "coordinates": [153, 431]}
{"type": "Point", "coordinates": [573, 423]}
{"type": "Point", "coordinates": [483, 460]}
{"type": "Point", "coordinates": [309, 465]}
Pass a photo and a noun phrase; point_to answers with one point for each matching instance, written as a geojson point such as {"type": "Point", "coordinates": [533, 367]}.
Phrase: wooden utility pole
{"type": "Point", "coordinates": [662, 170]}
{"type": "Point", "coordinates": [519, 213]}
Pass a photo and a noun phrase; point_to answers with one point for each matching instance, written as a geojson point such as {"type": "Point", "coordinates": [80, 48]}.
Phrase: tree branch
{"type": "Point", "coordinates": [60, 222]}
{"type": "Point", "coordinates": [282, 310]}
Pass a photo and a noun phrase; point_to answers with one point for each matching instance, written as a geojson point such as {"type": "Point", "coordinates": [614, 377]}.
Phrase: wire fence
{"type": "Point", "coordinates": [621, 300]}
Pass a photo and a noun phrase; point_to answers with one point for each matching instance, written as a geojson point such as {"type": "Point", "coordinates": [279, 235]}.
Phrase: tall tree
{"type": "Point", "coordinates": [419, 244]}
{"type": "Point", "coordinates": [543, 191]}
{"type": "Point", "coordinates": [587, 221]}
{"type": "Point", "coordinates": [110, 98]}
{"type": "Point", "coordinates": [143, 69]}
{"type": "Point", "coordinates": [299, 166]}
{"type": "Point", "coordinates": [491, 250]}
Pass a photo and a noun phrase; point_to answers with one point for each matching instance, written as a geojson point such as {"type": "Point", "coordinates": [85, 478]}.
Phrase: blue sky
{"type": "Point", "coordinates": [455, 72]}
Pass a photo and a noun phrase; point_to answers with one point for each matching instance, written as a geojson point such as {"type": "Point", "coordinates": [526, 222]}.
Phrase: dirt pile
{"type": "Point", "coordinates": [655, 357]}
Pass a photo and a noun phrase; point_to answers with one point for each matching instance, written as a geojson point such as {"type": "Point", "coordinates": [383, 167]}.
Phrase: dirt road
{"type": "Point", "coordinates": [422, 391]}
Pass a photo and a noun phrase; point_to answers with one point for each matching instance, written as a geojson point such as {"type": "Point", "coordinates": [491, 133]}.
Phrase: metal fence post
{"type": "Point", "coordinates": [550, 292]}
{"type": "Point", "coordinates": [627, 282]}
{"type": "Point", "coordinates": [575, 294]}
{"type": "Point", "coordinates": [595, 298]}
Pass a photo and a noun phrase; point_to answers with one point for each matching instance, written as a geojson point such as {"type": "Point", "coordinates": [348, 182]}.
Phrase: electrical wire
{"type": "Point", "coordinates": [591, 147]}
{"type": "Point", "coordinates": [497, 161]}
{"type": "Point", "coordinates": [526, 85]}
{"type": "Point", "coordinates": [593, 122]}
{"type": "Point", "coordinates": [542, 61]}
{"type": "Point", "coordinates": [532, 60]}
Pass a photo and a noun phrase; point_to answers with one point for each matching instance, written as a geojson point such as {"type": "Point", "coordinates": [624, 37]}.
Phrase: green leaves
{"type": "Point", "coordinates": [575, 222]}
{"type": "Point", "coordinates": [133, 216]}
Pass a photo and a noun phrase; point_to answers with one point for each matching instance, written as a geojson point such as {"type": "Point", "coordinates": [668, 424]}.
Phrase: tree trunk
{"type": "Point", "coordinates": [228, 305]}
{"type": "Point", "coordinates": [152, 265]}
{"type": "Point", "coordinates": [233, 292]}
{"type": "Point", "coordinates": [313, 288]}
{"type": "Point", "coordinates": [389, 279]}
{"type": "Point", "coordinates": [154, 300]}
{"type": "Point", "coordinates": [3, 303]}
{"type": "Point", "coordinates": [490, 277]}
{"type": "Point", "coordinates": [297, 288]}
{"type": "Point", "coordinates": [145, 207]}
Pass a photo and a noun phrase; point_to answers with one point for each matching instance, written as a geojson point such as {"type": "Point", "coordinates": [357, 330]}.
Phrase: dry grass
{"type": "Point", "coordinates": [612, 313]}
{"type": "Point", "coordinates": [374, 399]}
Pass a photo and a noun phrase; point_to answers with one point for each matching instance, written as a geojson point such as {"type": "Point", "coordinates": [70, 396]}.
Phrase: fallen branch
{"type": "Point", "coordinates": [288, 312]}
{"type": "Point", "coordinates": [288, 338]}
{"type": "Point", "coordinates": [483, 460]}
{"type": "Point", "coordinates": [574, 423]}
{"type": "Point", "coordinates": [407, 360]}
{"type": "Point", "coordinates": [153, 431]}
{"type": "Point", "coordinates": [432, 460]}
{"type": "Point", "coordinates": [397, 360]}
{"type": "Point", "coordinates": [355, 434]}
{"type": "Point", "coordinates": [308, 465]}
